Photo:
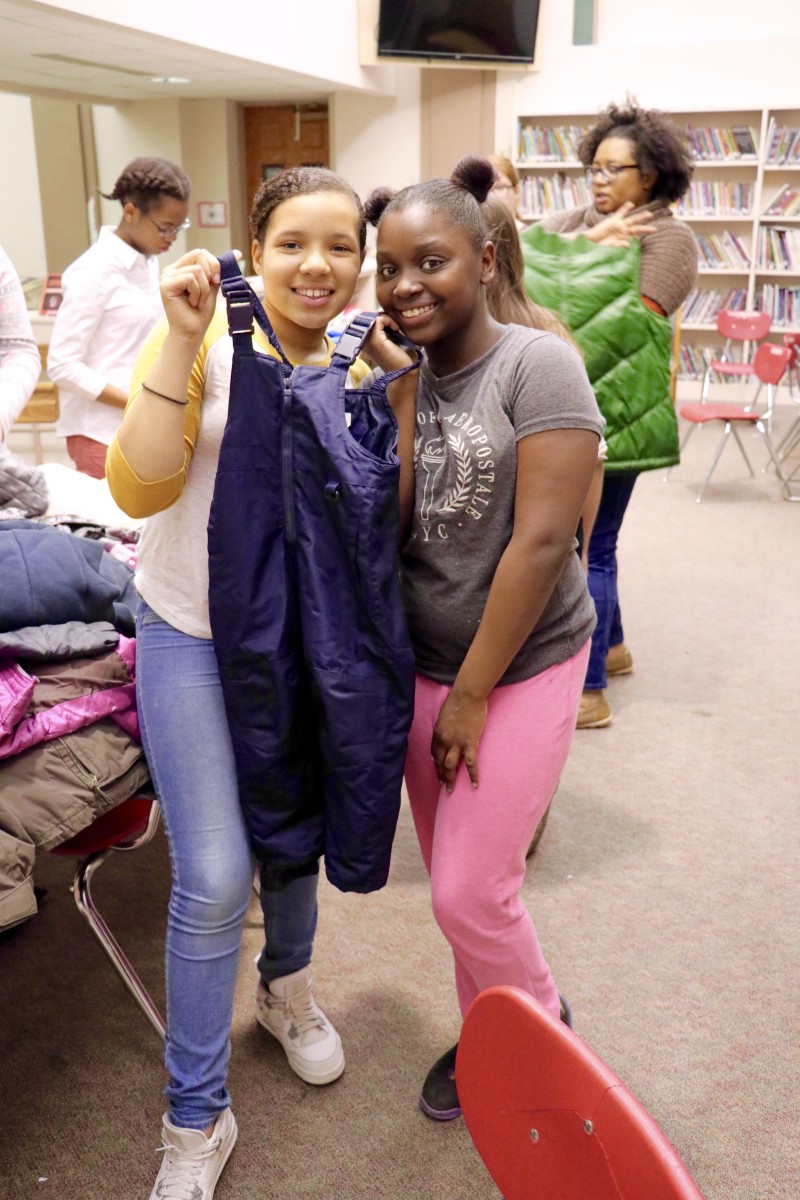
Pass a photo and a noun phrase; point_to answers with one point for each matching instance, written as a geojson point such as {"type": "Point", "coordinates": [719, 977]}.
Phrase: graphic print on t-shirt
{"type": "Point", "coordinates": [455, 470]}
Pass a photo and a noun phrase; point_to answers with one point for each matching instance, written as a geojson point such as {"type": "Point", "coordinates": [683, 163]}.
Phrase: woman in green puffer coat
{"type": "Point", "coordinates": [615, 271]}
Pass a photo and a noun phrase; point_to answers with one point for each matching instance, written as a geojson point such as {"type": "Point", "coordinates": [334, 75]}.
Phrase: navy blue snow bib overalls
{"type": "Point", "coordinates": [306, 616]}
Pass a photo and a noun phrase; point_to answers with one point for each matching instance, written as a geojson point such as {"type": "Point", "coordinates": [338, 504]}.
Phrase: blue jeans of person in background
{"type": "Point", "coordinates": [188, 748]}
{"type": "Point", "coordinates": [617, 489]}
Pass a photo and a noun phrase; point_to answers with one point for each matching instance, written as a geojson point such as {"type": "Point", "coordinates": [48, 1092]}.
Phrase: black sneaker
{"type": "Point", "coordinates": [439, 1096]}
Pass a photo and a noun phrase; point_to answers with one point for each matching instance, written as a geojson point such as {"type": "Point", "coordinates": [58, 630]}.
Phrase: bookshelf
{"type": "Point", "coordinates": [743, 206]}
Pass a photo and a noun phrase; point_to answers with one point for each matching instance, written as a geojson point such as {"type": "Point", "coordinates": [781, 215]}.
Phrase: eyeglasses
{"type": "Point", "coordinates": [608, 173]}
{"type": "Point", "coordinates": [503, 187]}
{"type": "Point", "coordinates": [169, 231]}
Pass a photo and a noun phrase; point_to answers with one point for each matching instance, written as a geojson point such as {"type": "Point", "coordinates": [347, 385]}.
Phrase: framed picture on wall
{"type": "Point", "coordinates": [212, 214]}
{"type": "Point", "coordinates": [51, 296]}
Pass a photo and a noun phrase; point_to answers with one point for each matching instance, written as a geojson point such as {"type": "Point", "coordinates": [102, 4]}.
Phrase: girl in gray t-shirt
{"type": "Point", "coordinates": [506, 441]}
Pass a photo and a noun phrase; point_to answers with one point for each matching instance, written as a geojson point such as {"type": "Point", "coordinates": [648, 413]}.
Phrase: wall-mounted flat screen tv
{"type": "Point", "coordinates": [501, 31]}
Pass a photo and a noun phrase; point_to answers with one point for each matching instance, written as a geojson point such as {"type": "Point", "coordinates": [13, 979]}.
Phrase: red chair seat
{"type": "Point", "coordinates": [700, 413]}
{"type": "Point", "coordinates": [124, 821]}
{"type": "Point", "coordinates": [732, 368]}
{"type": "Point", "coordinates": [549, 1118]}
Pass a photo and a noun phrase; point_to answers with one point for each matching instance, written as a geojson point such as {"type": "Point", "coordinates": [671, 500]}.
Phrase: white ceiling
{"type": "Point", "coordinates": [44, 52]}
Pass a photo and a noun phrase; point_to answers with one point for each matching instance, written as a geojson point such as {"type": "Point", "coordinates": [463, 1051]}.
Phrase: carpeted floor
{"type": "Point", "coordinates": [665, 891]}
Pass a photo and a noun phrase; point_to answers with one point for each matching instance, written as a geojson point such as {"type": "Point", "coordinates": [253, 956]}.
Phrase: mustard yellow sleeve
{"type": "Point", "coordinates": [135, 496]}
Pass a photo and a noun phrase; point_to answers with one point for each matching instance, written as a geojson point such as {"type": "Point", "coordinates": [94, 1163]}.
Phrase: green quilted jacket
{"type": "Point", "coordinates": [625, 345]}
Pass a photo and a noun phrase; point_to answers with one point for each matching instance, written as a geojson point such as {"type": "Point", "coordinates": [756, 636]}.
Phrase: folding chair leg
{"type": "Point", "coordinates": [787, 492]}
{"type": "Point", "coordinates": [749, 407]}
{"type": "Point", "coordinates": [83, 899]}
{"type": "Point", "coordinates": [740, 444]}
{"type": "Point", "coordinates": [705, 385]}
{"type": "Point", "coordinates": [789, 439]}
{"type": "Point", "coordinates": [726, 432]}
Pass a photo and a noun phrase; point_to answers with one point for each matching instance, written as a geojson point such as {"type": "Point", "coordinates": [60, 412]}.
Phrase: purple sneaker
{"type": "Point", "coordinates": [439, 1096]}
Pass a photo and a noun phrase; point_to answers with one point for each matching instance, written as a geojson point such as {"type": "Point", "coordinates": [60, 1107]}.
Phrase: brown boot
{"type": "Point", "coordinates": [619, 660]}
{"type": "Point", "coordinates": [593, 712]}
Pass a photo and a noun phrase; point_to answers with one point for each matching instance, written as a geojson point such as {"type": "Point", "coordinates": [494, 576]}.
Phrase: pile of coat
{"type": "Point", "coordinates": [69, 737]}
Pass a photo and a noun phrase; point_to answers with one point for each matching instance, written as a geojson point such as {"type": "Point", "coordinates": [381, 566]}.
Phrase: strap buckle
{"type": "Point", "coordinates": [240, 316]}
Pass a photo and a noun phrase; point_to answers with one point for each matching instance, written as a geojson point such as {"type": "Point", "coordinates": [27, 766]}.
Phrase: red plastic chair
{"type": "Point", "coordinates": [792, 435]}
{"type": "Point", "coordinates": [769, 366]}
{"type": "Point", "coordinates": [549, 1118]}
{"type": "Point", "coordinates": [125, 827]}
{"type": "Point", "coordinates": [735, 327]}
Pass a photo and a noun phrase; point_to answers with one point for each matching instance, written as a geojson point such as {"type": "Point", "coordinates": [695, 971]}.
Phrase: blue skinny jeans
{"type": "Point", "coordinates": [188, 748]}
{"type": "Point", "coordinates": [617, 489]}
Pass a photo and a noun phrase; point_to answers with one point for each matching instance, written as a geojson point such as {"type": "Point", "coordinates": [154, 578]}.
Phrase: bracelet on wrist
{"type": "Point", "coordinates": [146, 388]}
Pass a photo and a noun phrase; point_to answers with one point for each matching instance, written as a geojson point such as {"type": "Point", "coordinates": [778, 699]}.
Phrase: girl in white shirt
{"type": "Point", "coordinates": [111, 302]}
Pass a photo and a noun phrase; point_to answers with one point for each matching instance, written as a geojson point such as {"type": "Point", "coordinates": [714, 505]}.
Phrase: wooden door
{"type": "Point", "coordinates": [278, 136]}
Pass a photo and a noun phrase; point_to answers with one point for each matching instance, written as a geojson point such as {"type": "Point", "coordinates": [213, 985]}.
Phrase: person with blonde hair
{"type": "Point", "coordinates": [506, 186]}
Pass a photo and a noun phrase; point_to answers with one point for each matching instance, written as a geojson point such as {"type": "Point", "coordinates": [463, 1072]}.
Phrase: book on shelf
{"type": "Point", "coordinates": [723, 251]}
{"type": "Point", "coordinates": [715, 197]}
{"type": "Point", "coordinates": [745, 140]}
{"type": "Point", "coordinates": [786, 203]}
{"type": "Point", "coordinates": [548, 143]}
{"type": "Point", "coordinates": [542, 194]}
{"type": "Point", "coordinates": [709, 144]}
{"type": "Point", "coordinates": [702, 305]}
{"type": "Point", "coordinates": [778, 249]}
{"type": "Point", "coordinates": [782, 303]}
{"type": "Point", "coordinates": [783, 144]}
{"type": "Point", "coordinates": [693, 360]}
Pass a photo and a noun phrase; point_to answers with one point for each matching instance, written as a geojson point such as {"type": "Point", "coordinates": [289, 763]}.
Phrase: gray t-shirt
{"type": "Point", "coordinates": [468, 426]}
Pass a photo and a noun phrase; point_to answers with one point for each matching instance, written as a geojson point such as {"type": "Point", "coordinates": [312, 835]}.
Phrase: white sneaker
{"type": "Point", "coordinates": [192, 1162]}
{"type": "Point", "coordinates": [287, 1010]}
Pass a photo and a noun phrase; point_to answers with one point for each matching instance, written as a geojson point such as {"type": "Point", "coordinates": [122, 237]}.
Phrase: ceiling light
{"type": "Point", "coordinates": [169, 79]}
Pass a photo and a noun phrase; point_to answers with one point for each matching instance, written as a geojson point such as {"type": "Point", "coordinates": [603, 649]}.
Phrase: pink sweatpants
{"type": "Point", "coordinates": [474, 840]}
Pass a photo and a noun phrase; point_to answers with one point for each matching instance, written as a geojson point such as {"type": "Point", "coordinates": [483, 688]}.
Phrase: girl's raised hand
{"type": "Point", "coordinates": [618, 228]}
{"type": "Point", "coordinates": [382, 351]}
{"type": "Point", "coordinates": [456, 735]}
{"type": "Point", "coordinates": [189, 289]}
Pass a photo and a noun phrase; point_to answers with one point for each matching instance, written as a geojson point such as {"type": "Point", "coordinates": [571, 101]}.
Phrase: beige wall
{"type": "Point", "coordinates": [21, 230]}
{"type": "Point", "coordinates": [212, 157]}
{"type": "Point", "coordinates": [62, 188]}
{"type": "Point", "coordinates": [457, 118]}
{"type": "Point", "coordinates": [375, 141]}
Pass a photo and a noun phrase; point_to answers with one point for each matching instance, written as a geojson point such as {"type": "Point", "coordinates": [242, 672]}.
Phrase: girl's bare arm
{"type": "Point", "coordinates": [554, 470]}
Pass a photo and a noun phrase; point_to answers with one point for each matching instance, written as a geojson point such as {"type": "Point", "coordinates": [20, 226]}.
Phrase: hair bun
{"type": "Point", "coordinates": [475, 175]}
{"type": "Point", "coordinates": [376, 203]}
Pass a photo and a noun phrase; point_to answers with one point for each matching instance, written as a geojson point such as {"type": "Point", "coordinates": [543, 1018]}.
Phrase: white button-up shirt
{"type": "Point", "coordinates": [20, 364]}
{"type": "Point", "coordinates": [111, 302]}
